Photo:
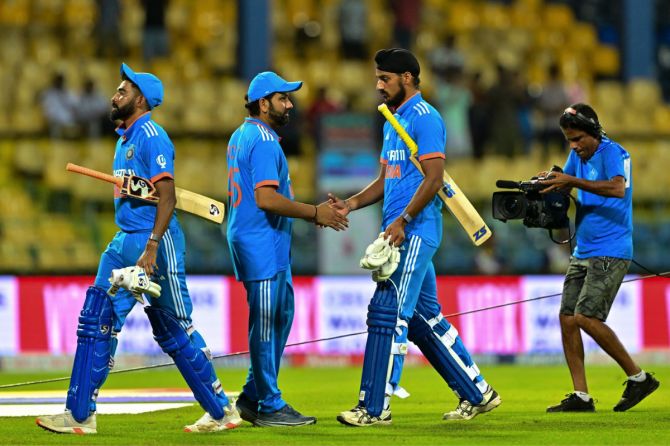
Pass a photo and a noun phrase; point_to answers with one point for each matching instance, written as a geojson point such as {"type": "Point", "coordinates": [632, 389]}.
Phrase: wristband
{"type": "Point", "coordinates": [154, 238]}
{"type": "Point", "coordinates": [316, 212]}
{"type": "Point", "coordinates": [346, 204]}
{"type": "Point", "coordinates": [408, 218]}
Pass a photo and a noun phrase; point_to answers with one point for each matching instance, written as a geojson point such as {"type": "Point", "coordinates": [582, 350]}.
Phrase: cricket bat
{"type": "Point", "coordinates": [142, 189]}
{"type": "Point", "coordinates": [452, 196]}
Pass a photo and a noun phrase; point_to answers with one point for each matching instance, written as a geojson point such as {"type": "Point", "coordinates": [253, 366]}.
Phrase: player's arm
{"type": "Point", "coordinates": [268, 199]}
{"type": "Point", "coordinates": [371, 194]}
{"type": "Point", "coordinates": [433, 169]}
{"type": "Point", "coordinates": [164, 211]}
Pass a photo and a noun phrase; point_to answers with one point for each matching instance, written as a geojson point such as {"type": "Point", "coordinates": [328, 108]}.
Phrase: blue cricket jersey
{"type": "Point", "coordinates": [259, 241]}
{"type": "Point", "coordinates": [426, 127]}
{"type": "Point", "coordinates": [604, 224]}
{"type": "Point", "coordinates": [144, 149]}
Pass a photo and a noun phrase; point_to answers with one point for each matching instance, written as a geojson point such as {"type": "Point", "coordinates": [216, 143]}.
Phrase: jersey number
{"type": "Point", "coordinates": [232, 184]}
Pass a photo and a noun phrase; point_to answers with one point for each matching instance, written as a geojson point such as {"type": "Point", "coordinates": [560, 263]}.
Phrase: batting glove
{"type": "Point", "coordinates": [387, 269]}
{"type": "Point", "coordinates": [135, 280]}
{"type": "Point", "coordinates": [376, 254]}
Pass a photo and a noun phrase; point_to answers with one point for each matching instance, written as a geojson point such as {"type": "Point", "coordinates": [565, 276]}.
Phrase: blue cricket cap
{"type": "Point", "coordinates": [150, 86]}
{"type": "Point", "coordinates": [266, 83]}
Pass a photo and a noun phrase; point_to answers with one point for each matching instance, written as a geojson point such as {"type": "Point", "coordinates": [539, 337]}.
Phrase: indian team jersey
{"type": "Point", "coordinates": [259, 241]}
{"type": "Point", "coordinates": [144, 149]}
{"type": "Point", "coordinates": [604, 224]}
{"type": "Point", "coordinates": [426, 127]}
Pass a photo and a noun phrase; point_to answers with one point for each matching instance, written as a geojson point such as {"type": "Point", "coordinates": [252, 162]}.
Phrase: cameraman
{"type": "Point", "coordinates": [601, 171]}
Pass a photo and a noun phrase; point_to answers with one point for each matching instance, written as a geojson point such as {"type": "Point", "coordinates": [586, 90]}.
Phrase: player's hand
{"type": "Point", "coordinates": [395, 232]}
{"type": "Point", "coordinates": [147, 260]}
{"type": "Point", "coordinates": [327, 215]}
{"type": "Point", "coordinates": [556, 181]}
{"type": "Point", "coordinates": [339, 204]}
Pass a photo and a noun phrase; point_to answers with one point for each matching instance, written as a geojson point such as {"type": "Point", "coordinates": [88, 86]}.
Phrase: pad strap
{"type": "Point", "coordinates": [440, 344]}
{"type": "Point", "coordinates": [192, 362]}
{"type": "Point", "coordinates": [94, 353]}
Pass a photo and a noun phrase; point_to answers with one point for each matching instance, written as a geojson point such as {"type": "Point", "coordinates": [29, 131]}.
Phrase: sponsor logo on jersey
{"type": "Point", "coordinates": [160, 159]}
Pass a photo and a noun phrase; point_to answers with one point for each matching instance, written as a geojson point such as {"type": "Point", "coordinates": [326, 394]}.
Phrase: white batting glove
{"type": "Point", "coordinates": [376, 254]}
{"type": "Point", "coordinates": [135, 280]}
{"type": "Point", "coordinates": [385, 271]}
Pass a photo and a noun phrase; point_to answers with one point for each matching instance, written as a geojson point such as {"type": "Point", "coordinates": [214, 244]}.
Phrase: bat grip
{"type": "Point", "coordinates": [94, 174]}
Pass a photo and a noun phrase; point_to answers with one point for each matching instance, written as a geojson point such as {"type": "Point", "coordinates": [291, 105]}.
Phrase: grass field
{"type": "Point", "coordinates": [323, 392]}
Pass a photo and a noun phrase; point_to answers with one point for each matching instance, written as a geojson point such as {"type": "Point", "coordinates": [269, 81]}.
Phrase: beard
{"type": "Point", "coordinates": [278, 119]}
{"type": "Point", "coordinates": [122, 113]}
{"type": "Point", "coordinates": [395, 100]}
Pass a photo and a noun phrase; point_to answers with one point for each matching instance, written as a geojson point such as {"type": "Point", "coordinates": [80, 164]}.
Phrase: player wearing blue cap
{"type": "Point", "coordinates": [152, 239]}
{"type": "Point", "coordinates": [405, 307]}
{"type": "Point", "coordinates": [261, 209]}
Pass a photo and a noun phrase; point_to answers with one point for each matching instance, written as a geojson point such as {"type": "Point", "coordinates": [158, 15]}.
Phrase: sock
{"type": "Point", "coordinates": [583, 395]}
{"type": "Point", "coordinates": [639, 377]}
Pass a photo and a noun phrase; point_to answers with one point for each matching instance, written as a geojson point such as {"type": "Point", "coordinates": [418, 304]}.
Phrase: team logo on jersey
{"type": "Point", "coordinates": [160, 159]}
{"type": "Point", "coordinates": [130, 152]}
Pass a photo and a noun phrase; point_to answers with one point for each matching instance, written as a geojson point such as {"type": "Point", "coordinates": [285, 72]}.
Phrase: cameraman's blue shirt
{"type": "Point", "coordinates": [604, 224]}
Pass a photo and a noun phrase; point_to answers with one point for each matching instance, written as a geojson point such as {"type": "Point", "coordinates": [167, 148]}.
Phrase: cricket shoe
{"type": "Point", "coordinates": [573, 403]}
{"type": "Point", "coordinates": [284, 417]}
{"type": "Point", "coordinates": [247, 408]}
{"type": "Point", "coordinates": [359, 416]}
{"type": "Point", "coordinates": [467, 411]}
{"type": "Point", "coordinates": [64, 423]}
{"type": "Point", "coordinates": [636, 392]}
{"type": "Point", "coordinates": [206, 423]}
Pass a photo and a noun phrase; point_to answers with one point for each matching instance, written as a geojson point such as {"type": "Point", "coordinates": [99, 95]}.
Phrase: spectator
{"type": "Point", "coordinates": [478, 115]}
{"type": "Point", "coordinates": [92, 110]}
{"type": "Point", "coordinates": [407, 15]}
{"type": "Point", "coordinates": [321, 106]}
{"type": "Point", "coordinates": [353, 25]}
{"type": "Point", "coordinates": [58, 107]}
{"type": "Point", "coordinates": [550, 104]}
{"type": "Point", "coordinates": [107, 28]}
{"type": "Point", "coordinates": [155, 39]}
{"type": "Point", "coordinates": [504, 102]}
{"type": "Point", "coordinates": [454, 100]}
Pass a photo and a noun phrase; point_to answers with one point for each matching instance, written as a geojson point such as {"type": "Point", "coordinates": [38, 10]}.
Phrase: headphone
{"type": "Point", "coordinates": [589, 125]}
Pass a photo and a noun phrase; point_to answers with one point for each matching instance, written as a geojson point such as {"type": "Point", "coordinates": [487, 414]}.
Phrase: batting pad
{"type": "Point", "coordinates": [192, 362]}
{"type": "Point", "coordinates": [382, 317]}
{"type": "Point", "coordinates": [94, 351]}
{"type": "Point", "coordinates": [440, 344]}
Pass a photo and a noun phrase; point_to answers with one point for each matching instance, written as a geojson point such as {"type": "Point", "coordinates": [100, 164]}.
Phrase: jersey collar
{"type": "Point", "coordinates": [262, 124]}
{"type": "Point", "coordinates": [409, 103]}
{"type": "Point", "coordinates": [127, 132]}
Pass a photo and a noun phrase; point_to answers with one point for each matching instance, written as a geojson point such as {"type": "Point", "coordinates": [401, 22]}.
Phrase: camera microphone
{"type": "Point", "coordinates": [507, 184]}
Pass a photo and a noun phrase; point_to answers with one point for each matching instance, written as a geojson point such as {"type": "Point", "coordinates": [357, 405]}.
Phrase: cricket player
{"type": "Point", "coordinates": [405, 307]}
{"type": "Point", "coordinates": [261, 209]}
{"type": "Point", "coordinates": [151, 239]}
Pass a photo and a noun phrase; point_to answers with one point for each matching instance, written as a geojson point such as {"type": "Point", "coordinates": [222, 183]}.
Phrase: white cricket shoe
{"type": "Point", "coordinates": [206, 423]}
{"type": "Point", "coordinates": [64, 423]}
{"type": "Point", "coordinates": [467, 411]}
{"type": "Point", "coordinates": [359, 416]}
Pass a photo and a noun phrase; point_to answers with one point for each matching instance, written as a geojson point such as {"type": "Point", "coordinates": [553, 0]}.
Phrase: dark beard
{"type": "Point", "coordinates": [398, 99]}
{"type": "Point", "coordinates": [122, 113]}
{"type": "Point", "coordinates": [277, 119]}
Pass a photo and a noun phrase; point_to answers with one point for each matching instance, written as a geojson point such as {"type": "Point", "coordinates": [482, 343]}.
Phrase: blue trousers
{"type": "Point", "coordinates": [271, 309]}
{"type": "Point", "coordinates": [124, 250]}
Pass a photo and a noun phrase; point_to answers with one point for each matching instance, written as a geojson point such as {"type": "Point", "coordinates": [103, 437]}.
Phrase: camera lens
{"type": "Point", "coordinates": [511, 206]}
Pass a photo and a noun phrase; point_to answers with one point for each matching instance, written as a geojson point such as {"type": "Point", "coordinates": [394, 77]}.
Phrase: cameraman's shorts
{"type": "Point", "coordinates": [591, 285]}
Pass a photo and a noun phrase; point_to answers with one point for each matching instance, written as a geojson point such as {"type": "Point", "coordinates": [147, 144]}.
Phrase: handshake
{"type": "Point", "coordinates": [135, 280]}
{"type": "Point", "coordinates": [382, 258]}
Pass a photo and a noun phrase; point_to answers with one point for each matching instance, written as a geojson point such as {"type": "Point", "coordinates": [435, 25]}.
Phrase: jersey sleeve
{"type": "Point", "coordinates": [430, 136]}
{"type": "Point", "coordinates": [570, 167]}
{"type": "Point", "coordinates": [264, 164]}
{"type": "Point", "coordinates": [159, 152]}
{"type": "Point", "coordinates": [613, 161]}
